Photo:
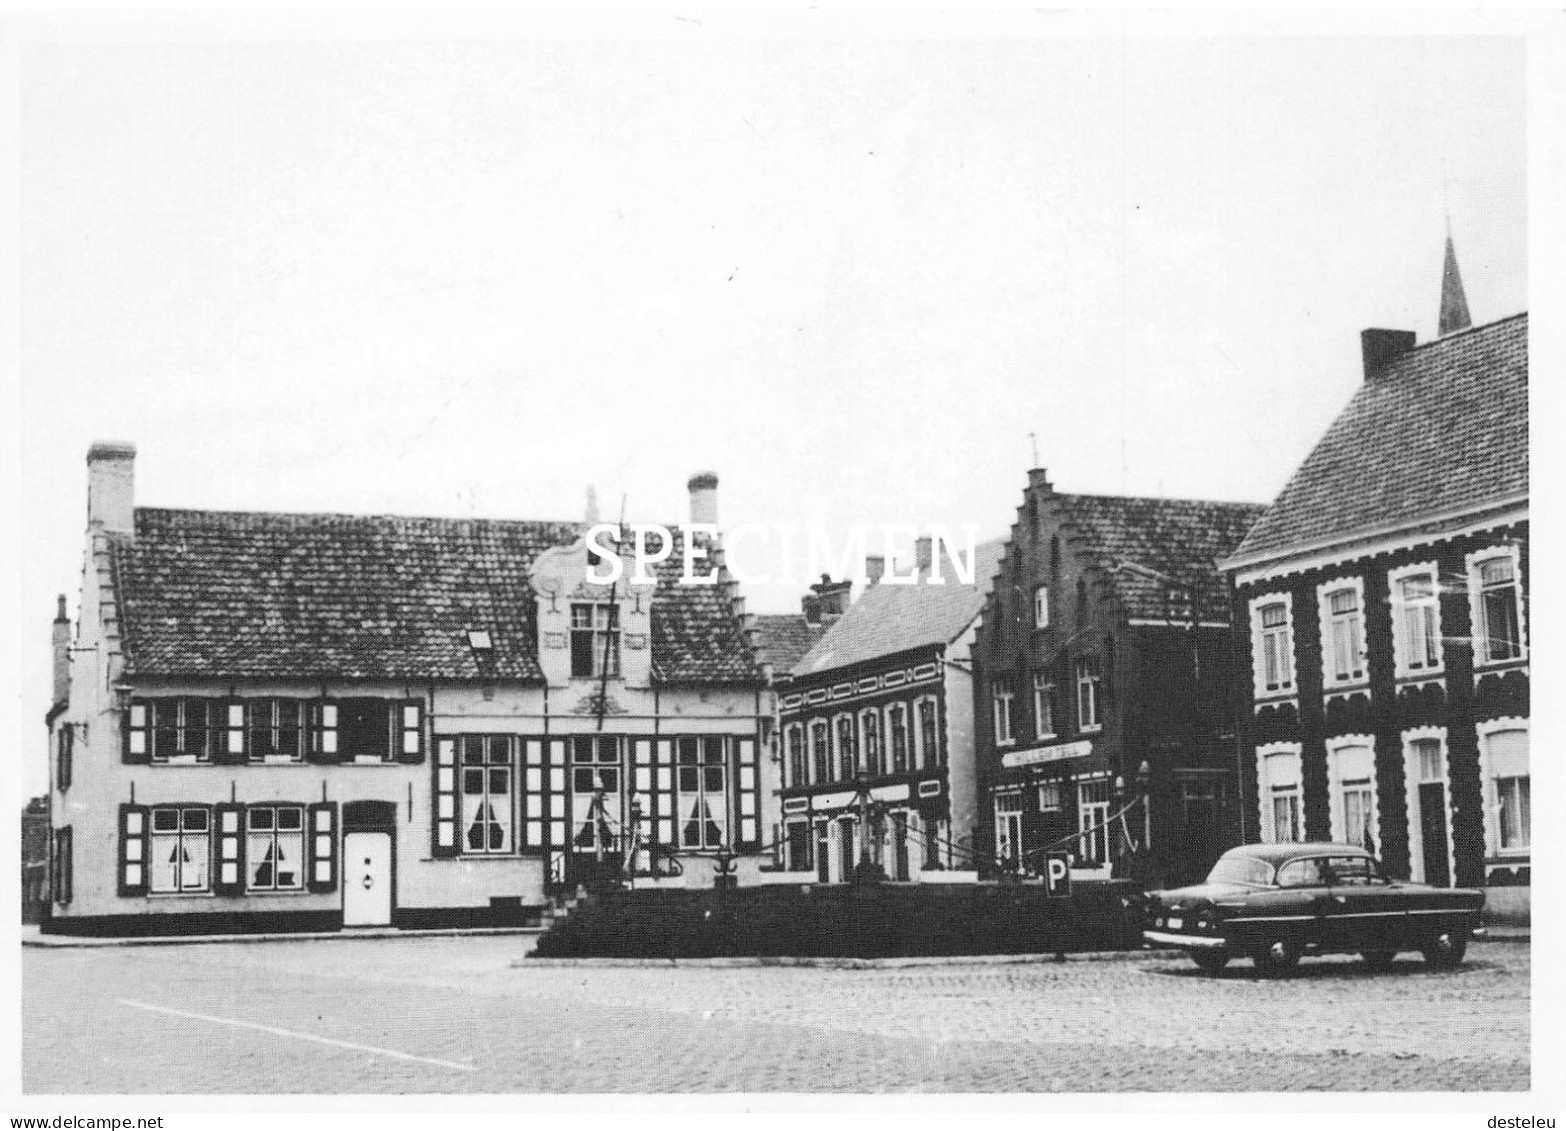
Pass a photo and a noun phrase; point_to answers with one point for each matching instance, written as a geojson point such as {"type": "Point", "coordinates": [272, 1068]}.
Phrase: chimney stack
{"type": "Point", "coordinates": [875, 567]}
{"type": "Point", "coordinates": [924, 554]}
{"type": "Point", "coordinates": [62, 653]}
{"type": "Point", "coordinates": [1038, 479]}
{"type": "Point", "coordinates": [703, 487]}
{"type": "Point", "coordinates": [832, 598]}
{"type": "Point", "coordinates": [111, 481]}
{"type": "Point", "coordinates": [1380, 348]}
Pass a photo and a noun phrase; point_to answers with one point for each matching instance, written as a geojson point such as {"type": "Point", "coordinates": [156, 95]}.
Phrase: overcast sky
{"type": "Point", "coordinates": [851, 276]}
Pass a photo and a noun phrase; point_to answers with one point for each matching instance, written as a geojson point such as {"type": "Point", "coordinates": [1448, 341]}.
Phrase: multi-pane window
{"type": "Point", "coordinates": [870, 723]}
{"type": "Point", "coordinates": [1008, 828]}
{"type": "Point", "coordinates": [897, 736]}
{"type": "Point", "coordinates": [1089, 694]}
{"type": "Point", "coordinates": [821, 750]}
{"type": "Point", "coordinates": [181, 848]}
{"type": "Point", "coordinates": [703, 782]}
{"type": "Point", "coordinates": [274, 848]}
{"type": "Point", "coordinates": [1041, 607]}
{"type": "Point", "coordinates": [847, 749]}
{"type": "Point", "coordinates": [929, 734]}
{"type": "Point", "coordinates": [1278, 782]}
{"type": "Point", "coordinates": [796, 755]}
{"type": "Point", "coordinates": [1093, 821]}
{"type": "Point", "coordinates": [1506, 765]}
{"type": "Point", "coordinates": [1274, 647]}
{"type": "Point", "coordinates": [595, 639]}
{"type": "Point", "coordinates": [1499, 622]}
{"type": "Point", "coordinates": [1357, 812]}
{"type": "Point", "coordinates": [1286, 815]}
{"type": "Point", "coordinates": [1001, 700]}
{"type": "Point", "coordinates": [488, 782]}
{"type": "Point", "coordinates": [1344, 635]}
{"type": "Point", "coordinates": [180, 728]}
{"type": "Point", "coordinates": [1049, 797]}
{"type": "Point", "coordinates": [1352, 770]}
{"type": "Point", "coordinates": [595, 792]}
{"type": "Point", "coordinates": [1043, 706]}
{"type": "Point", "coordinates": [1417, 617]}
{"type": "Point", "coordinates": [276, 729]}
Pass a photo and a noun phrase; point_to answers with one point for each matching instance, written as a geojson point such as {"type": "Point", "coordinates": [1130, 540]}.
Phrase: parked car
{"type": "Point", "coordinates": [1273, 903]}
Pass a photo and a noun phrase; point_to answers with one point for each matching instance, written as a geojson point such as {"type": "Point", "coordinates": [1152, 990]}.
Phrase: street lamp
{"type": "Point", "coordinates": [867, 871]}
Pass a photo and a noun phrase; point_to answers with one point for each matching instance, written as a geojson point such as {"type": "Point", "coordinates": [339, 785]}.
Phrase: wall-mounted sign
{"type": "Point", "coordinates": [1014, 758]}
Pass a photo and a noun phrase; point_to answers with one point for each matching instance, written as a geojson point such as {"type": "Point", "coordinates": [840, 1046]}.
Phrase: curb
{"type": "Point", "coordinates": [56, 942]}
{"type": "Point", "coordinates": [827, 963]}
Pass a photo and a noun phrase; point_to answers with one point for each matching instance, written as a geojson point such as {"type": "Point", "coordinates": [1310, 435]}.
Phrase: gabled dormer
{"type": "Point", "coordinates": [590, 632]}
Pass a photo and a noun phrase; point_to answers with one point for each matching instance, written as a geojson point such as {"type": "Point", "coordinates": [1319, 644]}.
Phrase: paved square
{"type": "Point", "coordinates": [453, 1015]}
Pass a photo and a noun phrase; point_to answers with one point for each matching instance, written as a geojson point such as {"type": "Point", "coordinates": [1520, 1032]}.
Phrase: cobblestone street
{"type": "Point", "coordinates": [454, 1015]}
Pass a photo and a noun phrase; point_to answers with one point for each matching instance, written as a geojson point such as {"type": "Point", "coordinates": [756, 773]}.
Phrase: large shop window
{"type": "Point", "coordinates": [1343, 632]}
{"type": "Point", "coordinates": [596, 793]}
{"type": "Point", "coordinates": [1507, 791]}
{"type": "Point", "coordinates": [1416, 617]}
{"type": "Point", "coordinates": [488, 779]}
{"type": "Point", "coordinates": [1001, 700]}
{"type": "Point", "coordinates": [595, 639]}
{"type": "Point", "coordinates": [1278, 794]}
{"type": "Point", "coordinates": [703, 782]}
{"type": "Point", "coordinates": [1089, 694]}
{"type": "Point", "coordinates": [1272, 645]}
{"type": "Point", "coordinates": [181, 848]}
{"type": "Point", "coordinates": [1496, 607]}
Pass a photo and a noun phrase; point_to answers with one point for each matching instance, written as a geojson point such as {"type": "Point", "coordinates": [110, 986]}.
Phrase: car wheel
{"type": "Point", "coordinates": [1280, 957]}
{"type": "Point", "coordinates": [1445, 951]}
{"type": "Point", "coordinates": [1378, 959]}
{"type": "Point", "coordinates": [1210, 962]}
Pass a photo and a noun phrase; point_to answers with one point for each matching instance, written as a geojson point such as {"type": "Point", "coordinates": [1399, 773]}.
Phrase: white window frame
{"type": "Point", "coordinates": [1267, 789]}
{"type": "Point", "coordinates": [1330, 680]}
{"type": "Point", "coordinates": [1402, 610]}
{"type": "Point", "coordinates": [927, 759]}
{"type": "Point", "coordinates": [1001, 699]}
{"type": "Point", "coordinates": [274, 837]}
{"type": "Point", "coordinates": [1041, 606]}
{"type": "Point", "coordinates": [871, 732]}
{"type": "Point", "coordinates": [898, 710]}
{"type": "Point", "coordinates": [157, 840]}
{"type": "Point", "coordinates": [1094, 804]}
{"type": "Point", "coordinates": [1008, 818]}
{"type": "Point", "coordinates": [1091, 683]}
{"type": "Point", "coordinates": [1479, 630]}
{"type": "Point", "coordinates": [790, 732]}
{"type": "Point", "coordinates": [817, 727]}
{"type": "Point", "coordinates": [1286, 687]}
{"type": "Point", "coordinates": [1043, 696]}
{"type": "Point", "coordinates": [1412, 780]}
{"type": "Point", "coordinates": [506, 816]}
{"type": "Point", "coordinates": [1336, 780]}
{"type": "Point", "coordinates": [858, 760]}
{"type": "Point", "coordinates": [1491, 800]}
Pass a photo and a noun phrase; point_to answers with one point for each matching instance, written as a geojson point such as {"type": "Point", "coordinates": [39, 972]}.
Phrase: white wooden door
{"type": "Point", "coordinates": [367, 880]}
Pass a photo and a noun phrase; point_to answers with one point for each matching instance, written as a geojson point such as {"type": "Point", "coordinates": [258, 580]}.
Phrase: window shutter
{"type": "Point", "coordinates": [133, 850]}
{"type": "Point", "coordinates": [323, 846]}
{"type": "Point", "coordinates": [749, 812]}
{"type": "Point", "coordinates": [229, 838]}
{"type": "Point", "coordinates": [408, 734]}
{"type": "Point", "coordinates": [444, 829]}
{"type": "Point", "coordinates": [325, 746]}
{"type": "Point", "coordinates": [228, 732]}
{"type": "Point", "coordinates": [60, 875]}
{"type": "Point", "coordinates": [67, 749]}
{"type": "Point", "coordinates": [136, 733]}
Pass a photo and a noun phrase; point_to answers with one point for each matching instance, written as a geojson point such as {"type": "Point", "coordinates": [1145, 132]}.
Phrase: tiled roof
{"type": "Point", "coordinates": [1147, 547]}
{"type": "Point", "coordinates": [225, 594]}
{"type": "Point", "coordinates": [784, 638]}
{"type": "Point", "coordinates": [1442, 430]}
{"type": "Point", "coordinates": [888, 619]}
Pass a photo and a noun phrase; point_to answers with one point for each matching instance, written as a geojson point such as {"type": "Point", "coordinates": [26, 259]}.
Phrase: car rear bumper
{"type": "Point", "coordinates": [1185, 942]}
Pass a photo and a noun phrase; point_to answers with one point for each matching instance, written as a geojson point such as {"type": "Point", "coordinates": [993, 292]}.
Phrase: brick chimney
{"type": "Point", "coordinates": [875, 567]}
{"type": "Point", "coordinates": [1379, 348]}
{"type": "Point", "coordinates": [62, 653]}
{"type": "Point", "coordinates": [111, 482]}
{"type": "Point", "coordinates": [703, 487]}
{"type": "Point", "coordinates": [832, 597]}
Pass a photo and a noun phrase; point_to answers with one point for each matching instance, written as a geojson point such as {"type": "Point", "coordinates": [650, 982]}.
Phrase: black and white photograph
{"type": "Point", "coordinates": [628, 558]}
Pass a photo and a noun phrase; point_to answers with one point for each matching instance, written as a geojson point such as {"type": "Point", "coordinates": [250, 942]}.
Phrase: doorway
{"type": "Point", "coordinates": [367, 880]}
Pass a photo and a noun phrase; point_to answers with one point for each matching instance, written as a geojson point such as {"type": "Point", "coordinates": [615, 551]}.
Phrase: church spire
{"type": "Point", "coordinates": [1454, 304]}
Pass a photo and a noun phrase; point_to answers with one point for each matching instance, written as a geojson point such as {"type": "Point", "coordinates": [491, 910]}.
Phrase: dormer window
{"type": "Point", "coordinates": [595, 639]}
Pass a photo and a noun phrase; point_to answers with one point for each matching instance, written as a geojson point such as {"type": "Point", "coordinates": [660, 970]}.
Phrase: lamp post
{"type": "Point", "coordinates": [867, 871]}
{"type": "Point", "coordinates": [723, 868]}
